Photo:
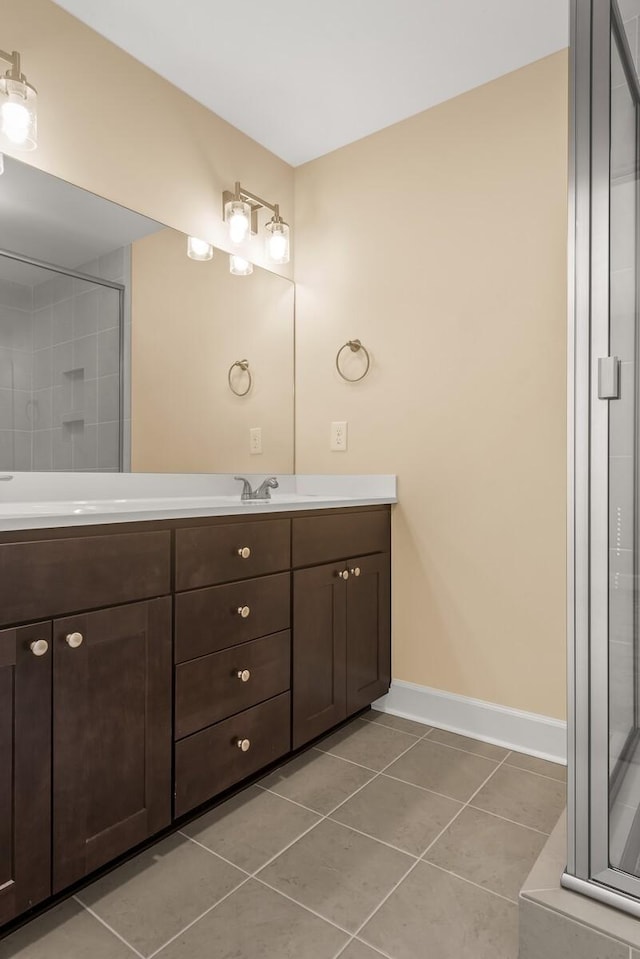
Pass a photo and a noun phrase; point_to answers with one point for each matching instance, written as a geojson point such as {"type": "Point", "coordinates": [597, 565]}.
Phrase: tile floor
{"type": "Point", "coordinates": [387, 839]}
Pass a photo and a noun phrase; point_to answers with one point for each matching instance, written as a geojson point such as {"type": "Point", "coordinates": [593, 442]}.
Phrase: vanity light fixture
{"type": "Point", "coordinates": [18, 105]}
{"type": "Point", "coordinates": [199, 249]}
{"type": "Point", "coordinates": [239, 266]}
{"type": "Point", "coordinates": [240, 210]}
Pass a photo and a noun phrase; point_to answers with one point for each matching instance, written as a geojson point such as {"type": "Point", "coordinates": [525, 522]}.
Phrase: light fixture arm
{"type": "Point", "coordinates": [13, 58]}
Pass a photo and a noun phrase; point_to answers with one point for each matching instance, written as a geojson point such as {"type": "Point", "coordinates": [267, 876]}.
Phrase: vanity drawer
{"type": "Point", "coordinates": [209, 762]}
{"type": "Point", "coordinates": [206, 555]}
{"type": "Point", "coordinates": [209, 689]}
{"type": "Point", "coordinates": [45, 578]}
{"type": "Point", "coordinates": [208, 619]}
{"type": "Point", "coordinates": [321, 539]}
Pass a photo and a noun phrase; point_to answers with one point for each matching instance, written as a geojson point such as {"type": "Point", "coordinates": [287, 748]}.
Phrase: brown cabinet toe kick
{"type": "Point", "coordinates": [148, 668]}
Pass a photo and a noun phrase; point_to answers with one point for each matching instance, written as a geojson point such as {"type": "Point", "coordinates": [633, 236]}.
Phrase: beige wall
{"type": "Point", "coordinates": [111, 125]}
{"type": "Point", "coordinates": [190, 322]}
{"type": "Point", "coordinates": [441, 243]}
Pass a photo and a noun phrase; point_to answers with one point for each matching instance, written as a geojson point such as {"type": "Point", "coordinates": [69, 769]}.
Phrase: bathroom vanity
{"type": "Point", "coordinates": [146, 667]}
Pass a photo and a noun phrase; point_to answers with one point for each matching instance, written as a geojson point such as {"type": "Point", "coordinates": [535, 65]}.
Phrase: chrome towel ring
{"type": "Point", "coordinates": [355, 346]}
{"type": "Point", "coordinates": [244, 366]}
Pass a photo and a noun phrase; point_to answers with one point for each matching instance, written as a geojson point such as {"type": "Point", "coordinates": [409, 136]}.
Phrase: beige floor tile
{"type": "Point", "coordinates": [358, 950]}
{"type": "Point", "coordinates": [524, 797]}
{"type": "Point", "coordinates": [368, 744]}
{"type": "Point", "coordinates": [396, 722]}
{"type": "Point", "coordinates": [317, 780]}
{"type": "Point", "coordinates": [433, 914]}
{"type": "Point", "coordinates": [488, 851]}
{"type": "Point", "coordinates": [337, 872]}
{"type": "Point", "coordinates": [251, 828]}
{"type": "Point", "coordinates": [444, 770]}
{"type": "Point", "coordinates": [476, 746]}
{"type": "Point", "coordinates": [151, 898]}
{"type": "Point", "coordinates": [398, 813]}
{"type": "Point", "coordinates": [66, 932]}
{"type": "Point", "coordinates": [257, 923]}
{"type": "Point", "coordinates": [540, 766]}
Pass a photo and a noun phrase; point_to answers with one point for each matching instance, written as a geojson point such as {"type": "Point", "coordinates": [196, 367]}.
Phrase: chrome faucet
{"type": "Point", "coordinates": [263, 492]}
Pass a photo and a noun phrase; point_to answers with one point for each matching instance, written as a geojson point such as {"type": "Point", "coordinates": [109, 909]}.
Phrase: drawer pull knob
{"type": "Point", "coordinates": [39, 647]}
{"type": "Point", "coordinates": [74, 640]}
{"type": "Point", "coordinates": [343, 573]}
{"type": "Point", "coordinates": [243, 611]}
{"type": "Point", "coordinates": [356, 571]}
{"type": "Point", "coordinates": [244, 675]}
{"type": "Point", "coordinates": [244, 552]}
{"type": "Point", "coordinates": [243, 744]}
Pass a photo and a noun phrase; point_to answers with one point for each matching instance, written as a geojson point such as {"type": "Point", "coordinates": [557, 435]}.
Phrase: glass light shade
{"type": "Point", "coordinates": [237, 215]}
{"type": "Point", "coordinates": [239, 266]}
{"type": "Point", "coordinates": [199, 249]}
{"type": "Point", "coordinates": [18, 113]}
{"type": "Point", "coordinates": [277, 241]}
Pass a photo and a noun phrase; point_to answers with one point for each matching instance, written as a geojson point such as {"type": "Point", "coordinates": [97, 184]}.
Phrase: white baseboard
{"type": "Point", "coordinates": [529, 733]}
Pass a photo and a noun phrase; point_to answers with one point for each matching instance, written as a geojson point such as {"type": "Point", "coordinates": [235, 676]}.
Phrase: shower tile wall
{"type": "Point", "coordinates": [16, 362]}
{"type": "Point", "coordinates": [67, 362]}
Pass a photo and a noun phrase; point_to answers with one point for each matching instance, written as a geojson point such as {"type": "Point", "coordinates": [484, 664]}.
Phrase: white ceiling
{"type": "Point", "coordinates": [304, 77]}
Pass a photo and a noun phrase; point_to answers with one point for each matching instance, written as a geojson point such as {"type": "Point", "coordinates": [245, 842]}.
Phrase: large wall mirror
{"type": "Point", "coordinates": [119, 352]}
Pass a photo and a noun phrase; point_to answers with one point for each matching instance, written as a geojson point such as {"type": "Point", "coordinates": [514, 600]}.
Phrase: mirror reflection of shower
{"type": "Point", "coordinates": [60, 364]}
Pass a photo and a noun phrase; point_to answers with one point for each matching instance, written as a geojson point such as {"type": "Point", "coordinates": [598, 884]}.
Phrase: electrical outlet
{"type": "Point", "coordinates": [338, 436]}
{"type": "Point", "coordinates": [255, 440]}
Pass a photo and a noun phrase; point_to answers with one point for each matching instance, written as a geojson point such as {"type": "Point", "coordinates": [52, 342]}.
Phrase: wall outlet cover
{"type": "Point", "coordinates": [255, 440]}
{"type": "Point", "coordinates": [338, 439]}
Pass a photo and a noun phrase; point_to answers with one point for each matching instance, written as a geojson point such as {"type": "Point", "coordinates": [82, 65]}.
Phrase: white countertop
{"type": "Point", "coordinates": [46, 500]}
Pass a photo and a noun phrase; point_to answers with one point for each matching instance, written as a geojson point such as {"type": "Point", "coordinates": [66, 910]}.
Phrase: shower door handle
{"type": "Point", "coordinates": [608, 378]}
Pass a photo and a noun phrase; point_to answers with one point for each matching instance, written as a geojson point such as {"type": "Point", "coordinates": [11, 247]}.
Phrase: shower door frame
{"type": "Point", "coordinates": [120, 289]}
{"type": "Point", "coordinates": [588, 861]}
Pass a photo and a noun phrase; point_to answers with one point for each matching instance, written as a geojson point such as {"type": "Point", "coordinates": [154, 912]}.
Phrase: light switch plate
{"type": "Point", "coordinates": [255, 440]}
{"type": "Point", "coordinates": [338, 442]}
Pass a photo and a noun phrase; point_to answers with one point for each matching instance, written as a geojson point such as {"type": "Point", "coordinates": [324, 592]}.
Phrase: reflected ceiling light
{"type": "Point", "coordinates": [239, 266]}
{"type": "Point", "coordinates": [18, 105]}
{"type": "Point", "coordinates": [199, 249]}
{"type": "Point", "coordinates": [1, 163]}
{"type": "Point", "coordinates": [240, 210]}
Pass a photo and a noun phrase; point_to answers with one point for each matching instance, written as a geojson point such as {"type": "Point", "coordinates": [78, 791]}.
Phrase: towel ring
{"type": "Point", "coordinates": [244, 366]}
{"type": "Point", "coordinates": [355, 346]}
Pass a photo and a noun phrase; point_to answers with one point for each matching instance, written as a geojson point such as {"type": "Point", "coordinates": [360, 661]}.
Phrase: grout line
{"type": "Point", "coordinates": [470, 882]}
{"type": "Point", "coordinates": [325, 752]}
{"type": "Point", "coordinates": [376, 949]}
{"type": "Point", "coordinates": [107, 926]}
{"type": "Point", "coordinates": [514, 822]}
{"type": "Point", "coordinates": [368, 835]}
{"type": "Point", "coordinates": [198, 918]}
{"type": "Point", "coordinates": [378, 722]}
{"type": "Point", "coordinates": [469, 752]}
{"type": "Point", "coordinates": [539, 775]}
{"type": "Point", "coordinates": [213, 852]}
{"type": "Point", "coordinates": [313, 912]}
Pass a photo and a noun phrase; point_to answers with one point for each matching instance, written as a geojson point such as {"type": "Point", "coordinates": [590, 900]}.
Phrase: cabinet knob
{"type": "Point", "coordinates": [244, 675]}
{"type": "Point", "coordinates": [243, 611]}
{"type": "Point", "coordinates": [74, 640]}
{"type": "Point", "coordinates": [243, 744]}
{"type": "Point", "coordinates": [355, 571]}
{"type": "Point", "coordinates": [244, 552]}
{"type": "Point", "coordinates": [39, 647]}
{"type": "Point", "coordinates": [343, 573]}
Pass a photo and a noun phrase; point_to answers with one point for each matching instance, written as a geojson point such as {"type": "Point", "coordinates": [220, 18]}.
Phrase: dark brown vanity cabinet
{"type": "Point", "coordinates": [232, 654]}
{"type": "Point", "coordinates": [111, 734]}
{"type": "Point", "coordinates": [25, 768]}
{"type": "Point", "coordinates": [85, 708]}
{"type": "Point", "coordinates": [166, 662]}
{"type": "Point", "coordinates": [341, 619]}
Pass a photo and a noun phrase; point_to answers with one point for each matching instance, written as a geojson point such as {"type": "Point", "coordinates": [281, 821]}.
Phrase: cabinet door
{"type": "Point", "coordinates": [111, 734]}
{"type": "Point", "coordinates": [25, 768]}
{"type": "Point", "coordinates": [319, 651]}
{"type": "Point", "coordinates": [368, 630]}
